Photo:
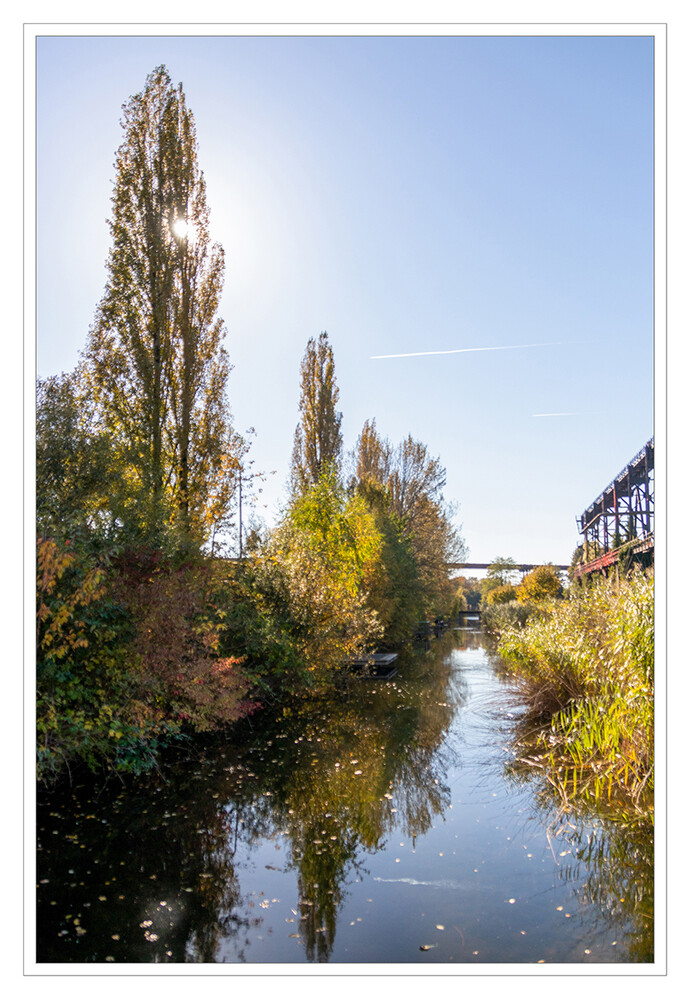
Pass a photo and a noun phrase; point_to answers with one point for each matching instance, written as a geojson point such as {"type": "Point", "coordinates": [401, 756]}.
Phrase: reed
{"type": "Point", "coordinates": [585, 669]}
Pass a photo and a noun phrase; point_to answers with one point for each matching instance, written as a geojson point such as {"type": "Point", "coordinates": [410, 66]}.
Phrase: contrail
{"type": "Point", "coordinates": [423, 884]}
{"type": "Point", "coordinates": [469, 350]}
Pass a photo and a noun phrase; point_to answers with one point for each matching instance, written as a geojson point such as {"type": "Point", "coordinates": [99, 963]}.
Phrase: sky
{"type": "Point", "coordinates": [469, 218]}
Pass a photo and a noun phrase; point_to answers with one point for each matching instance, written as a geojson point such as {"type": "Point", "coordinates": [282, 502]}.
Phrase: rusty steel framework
{"type": "Point", "coordinates": [621, 515]}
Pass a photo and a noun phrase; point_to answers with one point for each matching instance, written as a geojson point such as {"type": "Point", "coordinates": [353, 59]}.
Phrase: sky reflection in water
{"type": "Point", "coordinates": [380, 825]}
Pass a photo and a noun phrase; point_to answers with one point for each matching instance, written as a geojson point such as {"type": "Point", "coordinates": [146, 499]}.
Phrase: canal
{"type": "Point", "coordinates": [387, 824]}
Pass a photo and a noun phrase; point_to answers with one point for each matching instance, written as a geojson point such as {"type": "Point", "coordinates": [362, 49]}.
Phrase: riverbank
{"type": "Point", "coordinates": [584, 667]}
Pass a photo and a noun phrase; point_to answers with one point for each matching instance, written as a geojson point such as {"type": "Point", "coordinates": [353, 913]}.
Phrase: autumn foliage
{"type": "Point", "coordinates": [142, 636]}
{"type": "Point", "coordinates": [128, 658]}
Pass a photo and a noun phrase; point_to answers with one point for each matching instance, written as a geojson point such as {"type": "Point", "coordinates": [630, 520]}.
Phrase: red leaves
{"type": "Point", "coordinates": [176, 643]}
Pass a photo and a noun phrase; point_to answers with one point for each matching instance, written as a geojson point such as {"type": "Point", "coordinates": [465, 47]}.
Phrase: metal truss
{"type": "Point", "coordinates": [624, 512]}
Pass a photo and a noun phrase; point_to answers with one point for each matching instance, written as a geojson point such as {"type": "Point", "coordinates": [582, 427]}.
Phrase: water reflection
{"type": "Point", "coordinates": [611, 857]}
{"type": "Point", "coordinates": [609, 863]}
{"type": "Point", "coordinates": [150, 873]}
{"type": "Point", "coordinates": [266, 849]}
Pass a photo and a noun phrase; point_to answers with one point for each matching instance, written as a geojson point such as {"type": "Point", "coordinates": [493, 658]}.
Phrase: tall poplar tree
{"type": "Point", "coordinates": [318, 440]}
{"type": "Point", "coordinates": [155, 354]}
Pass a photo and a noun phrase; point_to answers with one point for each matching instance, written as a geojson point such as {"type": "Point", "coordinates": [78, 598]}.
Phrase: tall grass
{"type": "Point", "coordinates": [497, 618]}
{"type": "Point", "coordinates": [585, 669]}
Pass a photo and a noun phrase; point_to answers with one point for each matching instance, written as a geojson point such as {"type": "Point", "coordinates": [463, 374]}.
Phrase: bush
{"type": "Point", "coordinates": [128, 658]}
{"type": "Point", "coordinates": [501, 595]}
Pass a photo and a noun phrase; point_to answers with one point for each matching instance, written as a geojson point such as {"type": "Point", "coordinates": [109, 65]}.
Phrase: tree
{"type": "Point", "coordinates": [414, 482]}
{"type": "Point", "coordinates": [318, 440]}
{"type": "Point", "coordinates": [373, 456]}
{"type": "Point", "coordinates": [469, 587]}
{"type": "Point", "coordinates": [541, 583]}
{"type": "Point", "coordinates": [502, 569]}
{"type": "Point", "coordinates": [155, 355]}
{"type": "Point", "coordinates": [316, 566]}
{"type": "Point", "coordinates": [73, 477]}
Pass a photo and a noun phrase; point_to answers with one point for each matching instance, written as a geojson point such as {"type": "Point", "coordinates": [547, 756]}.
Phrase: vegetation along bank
{"type": "Point", "coordinates": [159, 614]}
{"type": "Point", "coordinates": [585, 668]}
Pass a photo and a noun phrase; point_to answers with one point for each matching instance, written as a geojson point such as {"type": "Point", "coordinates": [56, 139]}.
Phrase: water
{"type": "Point", "coordinates": [386, 824]}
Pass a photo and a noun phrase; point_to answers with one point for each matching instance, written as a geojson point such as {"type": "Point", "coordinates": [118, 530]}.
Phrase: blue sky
{"type": "Point", "coordinates": [406, 195]}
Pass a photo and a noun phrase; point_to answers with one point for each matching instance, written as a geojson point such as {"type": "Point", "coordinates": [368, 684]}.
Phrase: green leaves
{"type": "Point", "coordinates": [156, 365]}
{"type": "Point", "coordinates": [588, 663]}
{"type": "Point", "coordinates": [318, 440]}
{"type": "Point", "coordinates": [316, 564]}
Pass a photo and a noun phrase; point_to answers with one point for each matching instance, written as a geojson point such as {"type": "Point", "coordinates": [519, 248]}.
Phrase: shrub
{"type": "Point", "coordinates": [128, 658]}
{"type": "Point", "coordinates": [501, 595]}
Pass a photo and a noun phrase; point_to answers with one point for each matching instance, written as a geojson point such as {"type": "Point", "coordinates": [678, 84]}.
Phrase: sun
{"type": "Point", "coordinates": [181, 228]}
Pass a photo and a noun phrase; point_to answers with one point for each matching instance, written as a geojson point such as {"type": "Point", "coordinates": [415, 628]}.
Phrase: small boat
{"type": "Point", "coordinates": [375, 664]}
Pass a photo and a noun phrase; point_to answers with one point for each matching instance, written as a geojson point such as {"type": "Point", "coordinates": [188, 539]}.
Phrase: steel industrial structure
{"type": "Point", "coordinates": [622, 517]}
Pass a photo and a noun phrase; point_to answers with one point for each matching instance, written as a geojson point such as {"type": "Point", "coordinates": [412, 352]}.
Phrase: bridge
{"type": "Point", "coordinates": [526, 567]}
{"type": "Point", "coordinates": [618, 527]}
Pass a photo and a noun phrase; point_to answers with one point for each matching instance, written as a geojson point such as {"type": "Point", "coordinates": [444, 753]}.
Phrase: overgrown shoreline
{"type": "Point", "coordinates": [584, 668]}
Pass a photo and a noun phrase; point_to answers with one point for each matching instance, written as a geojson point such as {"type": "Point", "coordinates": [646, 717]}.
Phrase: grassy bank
{"type": "Point", "coordinates": [585, 669]}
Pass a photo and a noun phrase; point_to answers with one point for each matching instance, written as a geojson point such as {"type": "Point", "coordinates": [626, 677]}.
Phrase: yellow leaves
{"type": "Point", "coordinates": [60, 630]}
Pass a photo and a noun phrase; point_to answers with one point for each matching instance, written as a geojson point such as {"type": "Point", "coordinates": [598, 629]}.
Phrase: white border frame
{"type": "Point", "coordinates": [659, 32]}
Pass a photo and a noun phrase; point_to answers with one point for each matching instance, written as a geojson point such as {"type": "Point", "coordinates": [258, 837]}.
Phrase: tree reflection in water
{"type": "Point", "coordinates": [173, 868]}
{"type": "Point", "coordinates": [352, 766]}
